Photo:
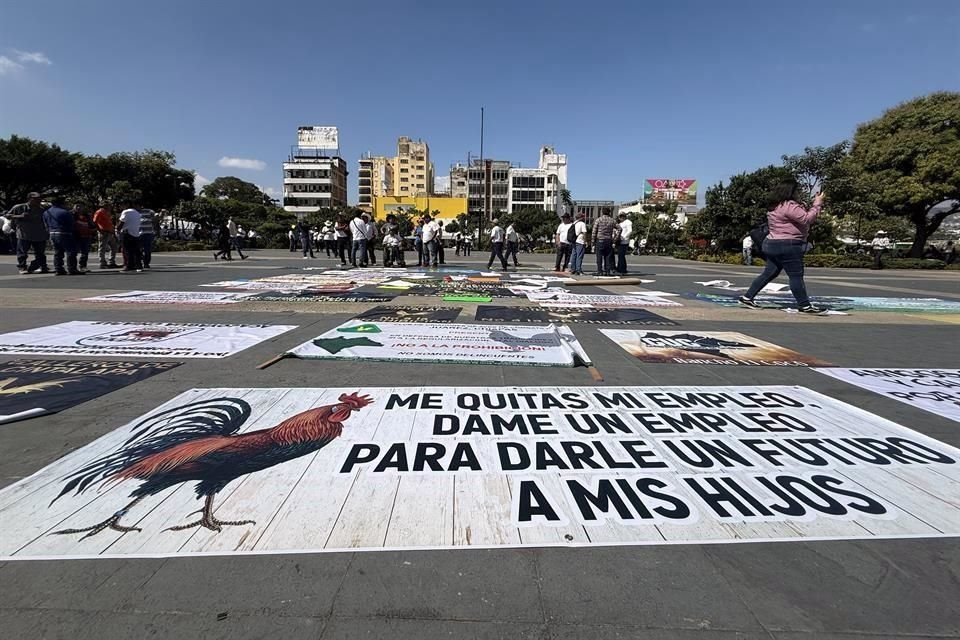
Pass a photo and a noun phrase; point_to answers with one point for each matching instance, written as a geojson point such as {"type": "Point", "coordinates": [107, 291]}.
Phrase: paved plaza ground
{"type": "Point", "coordinates": [895, 588]}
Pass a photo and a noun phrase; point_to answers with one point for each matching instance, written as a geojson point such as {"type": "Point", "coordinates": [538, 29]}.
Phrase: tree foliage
{"type": "Point", "coordinates": [31, 165]}
{"type": "Point", "coordinates": [149, 176]}
{"type": "Point", "coordinates": [905, 162]}
{"type": "Point", "coordinates": [537, 224]}
{"type": "Point", "coordinates": [232, 188]}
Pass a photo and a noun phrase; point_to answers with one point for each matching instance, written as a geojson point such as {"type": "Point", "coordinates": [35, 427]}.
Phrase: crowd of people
{"type": "Point", "coordinates": [37, 224]}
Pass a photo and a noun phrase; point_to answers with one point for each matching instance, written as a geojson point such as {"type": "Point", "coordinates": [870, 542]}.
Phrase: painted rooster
{"type": "Point", "coordinates": [200, 443]}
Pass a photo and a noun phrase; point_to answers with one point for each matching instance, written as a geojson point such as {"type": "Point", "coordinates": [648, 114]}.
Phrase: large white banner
{"type": "Point", "coordinates": [149, 339]}
{"type": "Point", "coordinates": [171, 297]}
{"type": "Point", "coordinates": [318, 138]}
{"type": "Point", "coordinates": [936, 390]}
{"type": "Point", "coordinates": [229, 471]}
{"type": "Point", "coordinates": [560, 299]}
{"type": "Point", "coordinates": [546, 345]}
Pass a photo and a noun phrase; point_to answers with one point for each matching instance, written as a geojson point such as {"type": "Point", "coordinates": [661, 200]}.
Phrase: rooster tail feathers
{"type": "Point", "coordinates": [159, 432]}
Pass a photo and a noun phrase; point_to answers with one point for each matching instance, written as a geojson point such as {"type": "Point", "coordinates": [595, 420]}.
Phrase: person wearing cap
{"type": "Point", "coordinates": [31, 234]}
{"type": "Point", "coordinates": [83, 232]}
{"type": "Point", "coordinates": [292, 237]}
{"type": "Point", "coordinates": [60, 224]}
{"type": "Point", "coordinates": [130, 239]}
{"type": "Point", "coordinates": [626, 231]}
{"type": "Point", "coordinates": [329, 242]}
{"type": "Point", "coordinates": [880, 245]}
{"type": "Point", "coordinates": [563, 240]}
{"type": "Point", "coordinates": [385, 231]}
{"type": "Point", "coordinates": [358, 231]}
{"type": "Point", "coordinates": [579, 245]}
{"type": "Point", "coordinates": [341, 232]}
{"type": "Point", "coordinates": [496, 245]}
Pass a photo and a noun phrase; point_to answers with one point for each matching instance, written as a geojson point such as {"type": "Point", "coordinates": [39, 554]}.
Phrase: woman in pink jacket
{"type": "Point", "coordinates": [785, 244]}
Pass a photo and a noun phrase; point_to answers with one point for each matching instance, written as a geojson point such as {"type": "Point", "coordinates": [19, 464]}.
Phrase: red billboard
{"type": "Point", "coordinates": [679, 190]}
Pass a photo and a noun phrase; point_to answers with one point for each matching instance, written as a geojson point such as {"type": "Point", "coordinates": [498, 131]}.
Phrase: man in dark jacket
{"type": "Point", "coordinates": [60, 223]}
{"type": "Point", "coordinates": [31, 234]}
{"type": "Point", "coordinates": [604, 232]}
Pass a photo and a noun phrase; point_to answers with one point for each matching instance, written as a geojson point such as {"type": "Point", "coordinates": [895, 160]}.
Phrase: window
{"type": "Point", "coordinates": [404, 179]}
{"type": "Point", "coordinates": [404, 161]}
{"type": "Point", "coordinates": [404, 170]}
{"type": "Point", "coordinates": [404, 189]}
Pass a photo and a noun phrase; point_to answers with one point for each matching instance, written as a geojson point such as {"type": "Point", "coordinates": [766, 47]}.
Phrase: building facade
{"type": "Point", "coordinates": [412, 169]}
{"type": "Point", "coordinates": [447, 208]}
{"type": "Point", "coordinates": [593, 208]}
{"type": "Point", "coordinates": [488, 180]}
{"type": "Point", "coordinates": [375, 178]}
{"type": "Point", "coordinates": [313, 181]}
{"type": "Point", "coordinates": [458, 181]}
{"type": "Point", "coordinates": [553, 162]}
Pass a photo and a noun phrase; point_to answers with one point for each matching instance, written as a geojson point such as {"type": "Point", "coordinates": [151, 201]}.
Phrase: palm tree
{"type": "Point", "coordinates": [566, 200]}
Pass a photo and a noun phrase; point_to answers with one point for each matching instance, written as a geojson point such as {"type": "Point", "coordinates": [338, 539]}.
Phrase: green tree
{"type": "Point", "coordinates": [232, 188]}
{"type": "Point", "coordinates": [537, 224]}
{"type": "Point", "coordinates": [152, 173]}
{"type": "Point", "coordinates": [31, 165]}
{"type": "Point", "coordinates": [731, 211]}
{"type": "Point", "coordinates": [815, 167]}
{"type": "Point", "coordinates": [905, 162]}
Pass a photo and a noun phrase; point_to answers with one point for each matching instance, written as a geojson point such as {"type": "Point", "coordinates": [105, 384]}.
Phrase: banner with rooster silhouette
{"type": "Point", "coordinates": [140, 339]}
{"type": "Point", "coordinates": [706, 347]}
{"type": "Point", "coordinates": [547, 345]}
{"type": "Point", "coordinates": [296, 470]}
{"type": "Point", "coordinates": [30, 388]}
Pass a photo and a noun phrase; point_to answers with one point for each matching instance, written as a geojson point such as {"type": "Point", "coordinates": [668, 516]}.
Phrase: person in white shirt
{"type": "Point", "coordinates": [626, 230]}
{"type": "Point", "coordinates": [513, 243]}
{"type": "Point", "coordinates": [292, 237]}
{"type": "Point", "coordinates": [880, 245]}
{"type": "Point", "coordinates": [129, 228]}
{"type": "Point", "coordinates": [329, 239]}
{"type": "Point", "coordinates": [496, 245]}
{"type": "Point", "coordinates": [358, 249]}
{"type": "Point", "coordinates": [747, 248]}
{"type": "Point", "coordinates": [235, 236]}
{"type": "Point", "coordinates": [563, 239]}
{"type": "Point", "coordinates": [579, 245]}
{"type": "Point", "coordinates": [371, 235]}
{"type": "Point", "coordinates": [431, 241]}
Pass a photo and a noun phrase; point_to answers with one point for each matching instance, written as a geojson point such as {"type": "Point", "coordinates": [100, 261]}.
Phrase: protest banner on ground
{"type": "Point", "coordinates": [308, 295]}
{"type": "Point", "coordinates": [934, 390]}
{"type": "Point", "coordinates": [489, 313]}
{"type": "Point", "coordinates": [409, 314]}
{"type": "Point", "coordinates": [319, 469]}
{"type": "Point", "coordinates": [171, 297]}
{"type": "Point", "coordinates": [706, 347]}
{"type": "Point", "coordinates": [559, 299]}
{"type": "Point", "coordinates": [285, 285]}
{"type": "Point", "coordinates": [548, 346]}
{"type": "Point", "coordinates": [839, 303]}
{"type": "Point", "coordinates": [30, 388]}
{"type": "Point", "coordinates": [147, 339]}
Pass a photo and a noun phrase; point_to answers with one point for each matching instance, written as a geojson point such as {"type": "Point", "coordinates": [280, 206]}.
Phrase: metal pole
{"type": "Point", "coordinates": [483, 187]}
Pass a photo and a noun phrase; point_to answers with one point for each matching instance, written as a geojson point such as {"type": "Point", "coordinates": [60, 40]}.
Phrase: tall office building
{"type": "Point", "coordinates": [314, 176]}
{"type": "Point", "coordinates": [375, 178]}
{"type": "Point", "coordinates": [488, 186]}
{"type": "Point", "coordinates": [412, 169]}
{"type": "Point", "coordinates": [458, 181]}
{"type": "Point", "coordinates": [539, 188]}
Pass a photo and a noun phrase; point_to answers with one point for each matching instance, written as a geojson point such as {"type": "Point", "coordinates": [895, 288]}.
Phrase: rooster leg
{"type": "Point", "coordinates": [208, 521]}
{"type": "Point", "coordinates": [113, 522]}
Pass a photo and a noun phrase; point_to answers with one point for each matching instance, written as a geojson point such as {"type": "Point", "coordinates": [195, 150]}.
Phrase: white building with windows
{"type": "Point", "coordinates": [538, 188]}
{"type": "Point", "coordinates": [312, 181]}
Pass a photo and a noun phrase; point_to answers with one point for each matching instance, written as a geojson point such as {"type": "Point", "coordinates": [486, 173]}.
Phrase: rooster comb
{"type": "Point", "coordinates": [355, 400]}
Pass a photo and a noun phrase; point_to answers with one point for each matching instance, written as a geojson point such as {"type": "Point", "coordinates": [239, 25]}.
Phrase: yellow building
{"type": "Point", "coordinates": [412, 169]}
{"type": "Point", "coordinates": [448, 208]}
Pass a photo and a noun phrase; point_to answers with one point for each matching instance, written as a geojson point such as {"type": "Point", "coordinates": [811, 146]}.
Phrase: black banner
{"type": "Point", "coordinates": [410, 314]}
{"type": "Point", "coordinates": [31, 388]}
{"type": "Point", "coordinates": [559, 316]}
{"type": "Point", "coordinates": [315, 296]}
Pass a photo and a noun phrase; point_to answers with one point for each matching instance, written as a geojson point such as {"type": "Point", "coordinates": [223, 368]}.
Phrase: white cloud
{"type": "Point", "coordinates": [199, 182]}
{"type": "Point", "coordinates": [242, 163]}
{"type": "Point", "coordinates": [8, 66]}
{"type": "Point", "coordinates": [35, 57]}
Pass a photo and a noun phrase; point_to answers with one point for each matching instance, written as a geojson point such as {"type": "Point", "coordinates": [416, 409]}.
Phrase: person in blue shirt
{"type": "Point", "coordinates": [60, 223]}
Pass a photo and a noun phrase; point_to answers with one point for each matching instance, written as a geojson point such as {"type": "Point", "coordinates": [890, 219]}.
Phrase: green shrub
{"type": "Point", "coordinates": [914, 263]}
{"type": "Point", "coordinates": [836, 261]}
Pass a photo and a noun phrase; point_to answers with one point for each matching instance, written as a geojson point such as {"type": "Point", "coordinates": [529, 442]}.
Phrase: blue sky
{"type": "Point", "coordinates": [628, 90]}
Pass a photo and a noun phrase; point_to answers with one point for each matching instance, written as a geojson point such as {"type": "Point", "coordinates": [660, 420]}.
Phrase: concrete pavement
{"type": "Point", "coordinates": [907, 588]}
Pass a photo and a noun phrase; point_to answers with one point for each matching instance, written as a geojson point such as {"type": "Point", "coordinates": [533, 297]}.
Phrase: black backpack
{"type": "Point", "coordinates": [572, 233]}
{"type": "Point", "coordinates": [758, 234]}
